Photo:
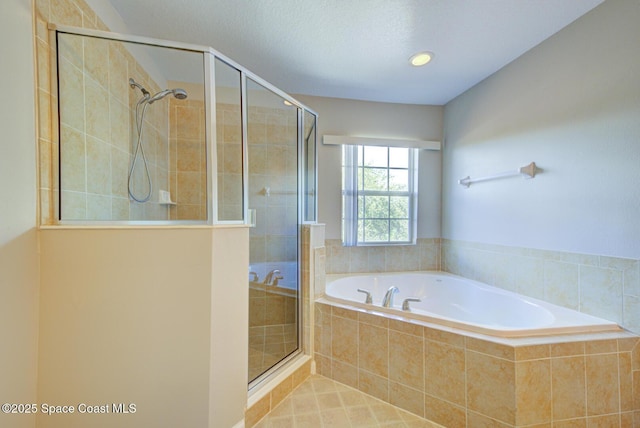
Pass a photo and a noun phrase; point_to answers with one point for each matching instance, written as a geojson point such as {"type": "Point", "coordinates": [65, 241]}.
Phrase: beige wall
{"type": "Point", "coordinates": [144, 316]}
{"type": "Point", "coordinates": [229, 327]}
{"type": "Point", "coordinates": [19, 271]}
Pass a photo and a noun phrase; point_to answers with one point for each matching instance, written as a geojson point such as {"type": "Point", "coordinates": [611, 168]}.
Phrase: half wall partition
{"type": "Point", "coordinates": [165, 134]}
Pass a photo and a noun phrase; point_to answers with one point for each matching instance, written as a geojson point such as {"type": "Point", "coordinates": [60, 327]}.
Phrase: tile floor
{"type": "Point", "coordinates": [320, 402]}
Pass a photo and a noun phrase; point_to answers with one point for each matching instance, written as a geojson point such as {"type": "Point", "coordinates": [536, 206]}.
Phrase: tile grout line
{"type": "Point", "coordinates": [586, 386]}
{"type": "Point", "coordinates": [466, 384]}
{"type": "Point", "coordinates": [552, 418]}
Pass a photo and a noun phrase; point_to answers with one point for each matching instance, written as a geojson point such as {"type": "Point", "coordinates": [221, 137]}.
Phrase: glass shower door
{"type": "Point", "coordinates": [272, 152]}
{"type": "Point", "coordinates": [228, 85]}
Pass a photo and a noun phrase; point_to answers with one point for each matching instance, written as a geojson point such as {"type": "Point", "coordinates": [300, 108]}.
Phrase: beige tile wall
{"type": "Point", "coordinates": [63, 12]}
{"type": "Point", "coordinates": [460, 381]}
{"type": "Point", "coordinates": [229, 151]}
{"type": "Point", "coordinates": [607, 287]}
{"type": "Point", "coordinates": [307, 268]}
{"type": "Point", "coordinates": [187, 159]}
{"type": "Point", "coordinates": [312, 266]}
{"type": "Point", "coordinates": [425, 255]}
{"type": "Point", "coordinates": [98, 134]}
{"type": "Point", "coordinates": [97, 128]}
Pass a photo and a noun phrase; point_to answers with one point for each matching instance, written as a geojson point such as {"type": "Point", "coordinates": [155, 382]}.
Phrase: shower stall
{"type": "Point", "coordinates": [165, 134]}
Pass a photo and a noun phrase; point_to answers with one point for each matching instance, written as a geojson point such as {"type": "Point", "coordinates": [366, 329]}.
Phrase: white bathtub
{"type": "Point", "coordinates": [462, 303]}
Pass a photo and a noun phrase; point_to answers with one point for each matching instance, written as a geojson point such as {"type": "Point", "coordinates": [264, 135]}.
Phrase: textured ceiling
{"type": "Point", "coordinates": [359, 49]}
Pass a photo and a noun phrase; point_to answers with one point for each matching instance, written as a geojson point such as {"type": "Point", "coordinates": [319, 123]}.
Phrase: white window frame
{"type": "Point", "coordinates": [351, 193]}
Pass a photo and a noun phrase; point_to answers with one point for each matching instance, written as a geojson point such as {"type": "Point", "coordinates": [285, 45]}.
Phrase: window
{"type": "Point", "coordinates": [379, 192]}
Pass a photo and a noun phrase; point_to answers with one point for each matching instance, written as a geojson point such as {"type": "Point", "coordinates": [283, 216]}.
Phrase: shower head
{"type": "Point", "coordinates": [180, 94]}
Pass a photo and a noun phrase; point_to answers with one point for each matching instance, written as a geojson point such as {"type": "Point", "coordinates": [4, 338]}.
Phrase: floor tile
{"type": "Point", "coordinates": [320, 402]}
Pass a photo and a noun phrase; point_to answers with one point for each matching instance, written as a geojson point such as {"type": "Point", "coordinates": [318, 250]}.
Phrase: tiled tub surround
{"type": "Point", "coordinates": [468, 380]}
{"type": "Point", "coordinates": [606, 287]}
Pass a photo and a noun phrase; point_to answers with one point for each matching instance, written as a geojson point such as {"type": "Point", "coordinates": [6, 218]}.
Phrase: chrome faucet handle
{"type": "Point", "coordinates": [368, 299]}
{"type": "Point", "coordinates": [254, 277]}
{"type": "Point", "coordinates": [405, 303]}
{"type": "Point", "coordinates": [276, 279]}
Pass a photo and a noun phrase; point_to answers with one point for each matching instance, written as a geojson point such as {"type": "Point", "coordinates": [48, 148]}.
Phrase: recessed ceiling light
{"type": "Point", "coordinates": [421, 58]}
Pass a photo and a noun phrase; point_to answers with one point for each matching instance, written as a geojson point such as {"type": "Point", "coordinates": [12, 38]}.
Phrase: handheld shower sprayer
{"type": "Point", "coordinates": [145, 101]}
{"type": "Point", "coordinates": [178, 93]}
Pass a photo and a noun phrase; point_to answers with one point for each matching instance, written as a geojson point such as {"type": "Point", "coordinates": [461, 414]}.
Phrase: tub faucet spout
{"type": "Point", "coordinates": [387, 302]}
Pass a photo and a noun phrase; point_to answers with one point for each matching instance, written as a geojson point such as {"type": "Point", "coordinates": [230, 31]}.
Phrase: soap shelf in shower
{"type": "Point", "coordinates": [527, 171]}
{"type": "Point", "coordinates": [165, 198]}
{"type": "Point", "coordinates": [266, 191]}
